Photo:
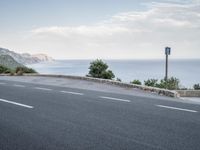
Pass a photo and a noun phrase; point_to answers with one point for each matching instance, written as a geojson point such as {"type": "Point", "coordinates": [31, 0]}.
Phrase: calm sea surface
{"type": "Point", "coordinates": [188, 71]}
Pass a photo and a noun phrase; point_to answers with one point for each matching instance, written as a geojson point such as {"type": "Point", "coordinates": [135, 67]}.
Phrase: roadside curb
{"type": "Point", "coordinates": [158, 91]}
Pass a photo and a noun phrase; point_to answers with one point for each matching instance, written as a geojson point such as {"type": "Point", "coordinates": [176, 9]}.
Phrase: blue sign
{"type": "Point", "coordinates": [167, 50]}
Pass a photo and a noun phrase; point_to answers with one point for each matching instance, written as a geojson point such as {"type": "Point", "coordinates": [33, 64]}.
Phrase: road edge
{"type": "Point", "coordinates": [164, 92]}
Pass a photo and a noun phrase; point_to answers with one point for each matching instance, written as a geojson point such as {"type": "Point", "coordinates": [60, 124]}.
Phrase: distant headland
{"type": "Point", "coordinates": [25, 58]}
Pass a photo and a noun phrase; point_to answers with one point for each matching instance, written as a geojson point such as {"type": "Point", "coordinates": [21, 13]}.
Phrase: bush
{"type": "Point", "coordinates": [98, 69]}
{"type": "Point", "coordinates": [136, 82]}
{"type": "Point", "coordinates": [22, 70]}
{"type": "Point", "coordinates": [4, 69]}
{"type": "Point", "coordinates": [196, 86]}
{"type": "Point", "coordinates": [171, 83]}
{"type": "Point", "coordinates": [151, 82]}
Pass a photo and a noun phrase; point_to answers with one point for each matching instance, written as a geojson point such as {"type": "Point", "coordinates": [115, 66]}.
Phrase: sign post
{"type": "Point", "coordinates": [167, 53]}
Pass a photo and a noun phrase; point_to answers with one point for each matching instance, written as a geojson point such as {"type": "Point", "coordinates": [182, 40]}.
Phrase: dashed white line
{"type": "Point", "coordinates": [2, 83]}
{"type": "Point", "coordinates": [115, 99]}
{"type": "Point", "coordinates": [15, 103]}
{"type": "Point", "coordinates": [18, 85]}
{"type": "Point", "coordinates": [69, 92]}
{"type": "Point", "coordinates": [176, 108]}
{"type": "Point", "coordinates": [44, 89]}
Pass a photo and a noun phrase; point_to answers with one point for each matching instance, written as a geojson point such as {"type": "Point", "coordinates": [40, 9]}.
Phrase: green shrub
{"type": "Point", "coordinates": [171, 83]}
{"type": "Point", "coordinates": [4, 69]}
{"type": "Point", "coordinates": [136, 82]}
{"type": "Point", "coordinates": [151, 82]}
{"type": "Point", "coordinates": [98, 69]}
{"type": "Point", "coordinates": [196, 86]}
{"type": "Point", "coordinates": [8, 71]}
{"type": "Point", "coordinates": [24, 70]}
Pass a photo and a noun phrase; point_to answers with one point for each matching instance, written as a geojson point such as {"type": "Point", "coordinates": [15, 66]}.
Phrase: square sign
{"type": "Point", "coordinates": [167, 50]}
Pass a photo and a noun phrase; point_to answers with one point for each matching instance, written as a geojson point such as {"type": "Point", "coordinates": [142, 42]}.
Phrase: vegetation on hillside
{"type": "Point", "coordinates": [9, 62]}
{"type": "Point", "coordinates": [99, 69]}
{"type": "Point", "coordinates": [24, 70]}
{"type": "Point", "coordinates": [4, 69]}
{"type": "Point", "coordinates": [9, 65]}
{"type": "Point", "coordinates": [17, 71]}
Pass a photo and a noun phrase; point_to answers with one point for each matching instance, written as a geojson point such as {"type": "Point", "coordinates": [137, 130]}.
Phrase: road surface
{"type": "Point", "coordinates": [45, 117]}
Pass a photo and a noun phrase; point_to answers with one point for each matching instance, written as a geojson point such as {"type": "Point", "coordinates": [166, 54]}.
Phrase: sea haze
{"type": "Point", "coordinates": [127, 70]}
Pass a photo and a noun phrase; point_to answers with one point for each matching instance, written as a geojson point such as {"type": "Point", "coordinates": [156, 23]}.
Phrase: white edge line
{"type": "Point", "coordinates": [176, 108]}
{"type": "Point", "coordinates": [45, 89]}
{"type": "Point", "coordinates": [15, 103]}
{"type": "Point", "coordinates": [116, 99]}
{"type": "Point", "coordinates": [19, 85]}
{"type": "Point", "coordinates": [69, 92]}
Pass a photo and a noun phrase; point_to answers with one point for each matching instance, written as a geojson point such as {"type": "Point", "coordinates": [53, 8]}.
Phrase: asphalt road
{"type": "Point", "coordinates": [42, 117]}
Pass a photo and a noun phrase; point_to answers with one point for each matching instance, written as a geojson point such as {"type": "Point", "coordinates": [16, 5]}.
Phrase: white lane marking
{"type": "Point", "coordinates": [176, 108]}
{"type": "Point", "coordinates": [15, 103]}
{"type": "Point", "coordinates": [2, 83]}
{"type": "Point", "coordinates": [115, 99]}
{"type": "Point", "coordinates": [19, 85]}
{"type": "Point", "coordinates": [40, 88]}
{"type": "Point", "coordinates": [69, 92]}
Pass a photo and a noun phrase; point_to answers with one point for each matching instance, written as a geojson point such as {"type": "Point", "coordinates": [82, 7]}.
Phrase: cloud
{"type": "Point", "coordinates": [134, 34]}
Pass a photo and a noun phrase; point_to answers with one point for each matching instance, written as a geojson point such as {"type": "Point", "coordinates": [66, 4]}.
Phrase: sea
{"type": "Point", "coordinates": [187, 71]}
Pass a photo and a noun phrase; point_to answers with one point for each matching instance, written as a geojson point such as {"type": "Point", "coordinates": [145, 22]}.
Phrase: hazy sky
{"type": "Point", "coordinates": [109, 29]}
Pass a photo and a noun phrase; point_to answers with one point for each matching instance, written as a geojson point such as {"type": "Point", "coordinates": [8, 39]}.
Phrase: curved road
{"type": "Point", "coordinates": [45, 117]}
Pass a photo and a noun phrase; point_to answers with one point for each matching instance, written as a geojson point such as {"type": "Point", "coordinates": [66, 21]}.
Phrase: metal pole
{"type": "Point", "coordinates": [166, 68]}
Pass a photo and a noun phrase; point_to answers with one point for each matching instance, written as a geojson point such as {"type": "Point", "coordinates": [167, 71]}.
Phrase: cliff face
{"type": "Point", "coordinates": [25, 58]}
{"type": "Point", "coordinates": [9, 62]}
{"type": "Point", "coordinates": [42, 57]}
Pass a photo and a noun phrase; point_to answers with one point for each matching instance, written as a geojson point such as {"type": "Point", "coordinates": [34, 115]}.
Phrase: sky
{"type": "Point", "coordinates": [105, 29]}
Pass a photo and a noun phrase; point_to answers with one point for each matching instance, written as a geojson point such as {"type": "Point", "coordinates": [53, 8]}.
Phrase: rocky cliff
{"type": "Point", "coordinates": [25, 58]}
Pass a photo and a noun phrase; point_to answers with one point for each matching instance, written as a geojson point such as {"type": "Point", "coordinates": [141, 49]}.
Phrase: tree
{"type": "Point", "coordinates": [99, 69]}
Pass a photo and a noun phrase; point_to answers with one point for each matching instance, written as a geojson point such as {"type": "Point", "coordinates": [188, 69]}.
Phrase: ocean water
{"type": "Point", "coordinates": [188, 71]}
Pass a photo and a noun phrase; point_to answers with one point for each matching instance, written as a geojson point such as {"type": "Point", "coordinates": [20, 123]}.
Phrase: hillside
{"type": "Point", "coordinates": [25, 58]}
{"type": "Point", "coordinates": [9, 62]}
